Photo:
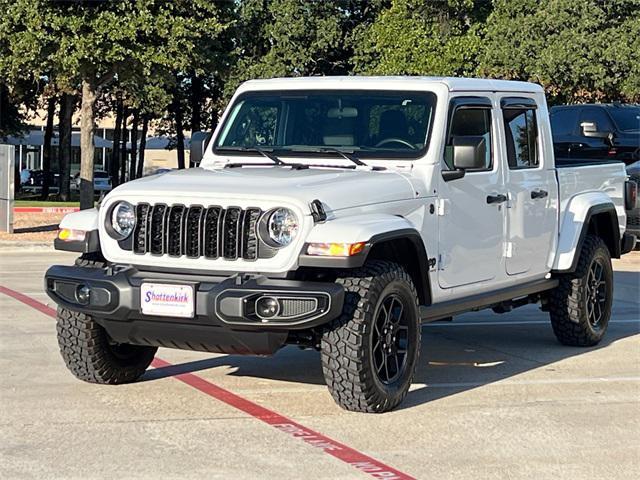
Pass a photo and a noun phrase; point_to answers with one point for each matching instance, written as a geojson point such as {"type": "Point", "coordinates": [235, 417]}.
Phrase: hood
{"type": "Point", "coordinates": [336, 188]}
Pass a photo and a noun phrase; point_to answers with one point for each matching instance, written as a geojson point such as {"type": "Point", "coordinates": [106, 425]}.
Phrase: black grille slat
{"type": "Point", "coordinates": [250, 233]}
{"type": "Point", "coordinates": [212, 232]}
{"type": "Point", "coordinates": [159, 214]}
{"type": "Point", "coordinates": [193, 231]}
{"type": "Point", "coordinates": [141, 230]}
{"type": "Point", "coordinates": [230, 233]}
{"type": "Point", "coordinates": [174, 230]}
{"type": "Point", "coordinates": [196, 231]}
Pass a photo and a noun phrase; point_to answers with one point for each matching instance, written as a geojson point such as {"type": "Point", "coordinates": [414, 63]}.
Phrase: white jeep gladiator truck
{"type": "Point", "coordinates": [339, 213]}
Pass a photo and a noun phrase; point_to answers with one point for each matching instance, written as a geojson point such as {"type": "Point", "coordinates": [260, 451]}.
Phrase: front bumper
{"type": "Point", "coordinates": [224, 319]}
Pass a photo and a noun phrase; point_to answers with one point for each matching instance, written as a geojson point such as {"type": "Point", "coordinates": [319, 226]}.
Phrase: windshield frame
{"type": "Point", "coordinates": [364, 154]}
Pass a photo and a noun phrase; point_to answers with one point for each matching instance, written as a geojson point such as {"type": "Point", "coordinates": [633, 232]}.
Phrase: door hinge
{"type": "Point", "coordinates": [441, 261]}
{"type": "Point", "coordinates": [508, 249]}
{"type": "Point", "coordinates": [432, 263]}
{"type": "Point", "coordinates": [443, 206]}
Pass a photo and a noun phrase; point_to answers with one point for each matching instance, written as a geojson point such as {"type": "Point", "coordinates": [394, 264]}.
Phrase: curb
{"type": "Point", "coordinates": [11, 246]}
{"type": "Point", "coordinates": [45, 209]}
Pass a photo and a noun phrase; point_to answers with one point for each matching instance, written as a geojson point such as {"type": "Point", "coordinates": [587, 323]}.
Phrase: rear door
{"type": "Point", "coordinates": [471, 230]}
{"type": "Point", "coordinates": [532, 188]}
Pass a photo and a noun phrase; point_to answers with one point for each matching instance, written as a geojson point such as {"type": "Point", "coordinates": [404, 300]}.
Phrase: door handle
{"type": "Point", "coordinates": [498, 198]}
{"type": "Point", "coordinates": [539, 194]}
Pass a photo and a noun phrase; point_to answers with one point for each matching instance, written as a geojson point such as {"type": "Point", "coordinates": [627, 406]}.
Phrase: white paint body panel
{"type": "Point", "coordinates": [85, 220]}
{"type": "Point", "coordinates": [580, 189]}
{"type": "Point", "coordinates": [452, 217]}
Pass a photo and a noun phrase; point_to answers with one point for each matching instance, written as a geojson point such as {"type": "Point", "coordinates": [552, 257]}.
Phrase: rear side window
{"type": "Point", "coordinates": [521, 132]}
{"type": "Point", "coordinates": [470, 122]}
{"type": "Point", "coordinates": [597, 116]}
{"type": "Point", "coordinates": [563, 121]}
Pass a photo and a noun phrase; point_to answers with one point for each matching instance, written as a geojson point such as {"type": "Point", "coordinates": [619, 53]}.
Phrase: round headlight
{"type": "Point", "coordinates": [282, 227]}
{"type": "Point", "coordinates": [123, 219]}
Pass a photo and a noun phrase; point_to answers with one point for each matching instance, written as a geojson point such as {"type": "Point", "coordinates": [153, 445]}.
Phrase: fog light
{"type": "Point", "coordinates": [267, 307]}
{"type": "Point", "coordinates": [83, 294]}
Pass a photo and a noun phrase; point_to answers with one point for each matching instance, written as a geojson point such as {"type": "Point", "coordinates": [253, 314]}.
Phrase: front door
{"type": "Point", "coordinates": [471, 208]}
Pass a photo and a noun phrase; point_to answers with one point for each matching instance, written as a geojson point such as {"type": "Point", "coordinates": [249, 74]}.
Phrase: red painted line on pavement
{"type": "Point", "coordinates": [45, 209]}
{"type": "Point", "coordinates": [31, 302]}
{"type": "Point", "coordinates": [356, 459]}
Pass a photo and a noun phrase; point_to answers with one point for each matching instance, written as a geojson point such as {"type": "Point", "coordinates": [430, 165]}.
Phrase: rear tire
{"type": "Point", "coordinates": [370, 352]}
{"type": "Point", "coordinates": [580, 306]}
{"type": "Point", "coordinates": [90, 354]}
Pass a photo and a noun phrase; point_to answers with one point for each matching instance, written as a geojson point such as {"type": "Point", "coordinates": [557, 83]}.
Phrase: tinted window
{"type": "Point", "coordinates": [373, 123]}
{"type": "Point", "coordinates": [597, 116]}
{"type": "Point", "coordinates": [470, 122]}
{"type": "Point", "coordinates": [563, 121]}
{"type": "Point", "coordinates": [522, 138]}
{"type": "Point", "coordinates": [626, 119]}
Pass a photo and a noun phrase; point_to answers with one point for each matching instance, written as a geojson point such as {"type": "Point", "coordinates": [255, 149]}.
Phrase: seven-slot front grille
{"type": "Point", "coordinates": [196, 231]}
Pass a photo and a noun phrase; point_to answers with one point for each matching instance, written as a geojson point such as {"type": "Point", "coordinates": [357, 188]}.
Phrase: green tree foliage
{"type": "Point", "coordinates": [86, 47]}
{"type": "Point", "coordinates": [579, 50]}
{"type": "Point", "coordinates": [417, 37]}
{"type": "Point", "coordinates": [281, 38]}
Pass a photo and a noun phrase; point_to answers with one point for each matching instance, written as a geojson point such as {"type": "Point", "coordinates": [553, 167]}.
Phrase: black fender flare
{"type": "Point", "coordinates": [419, 268]}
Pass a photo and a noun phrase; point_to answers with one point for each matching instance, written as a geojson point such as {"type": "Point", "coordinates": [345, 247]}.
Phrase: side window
{"type": "Point", "coordinates": [563, 121]}
{"type": "Point", "coordinates": [521, 132]}
{"type": "Point", "coordinates": [470, 121]}
{"type": "Point", "coordinates": [597, 116]}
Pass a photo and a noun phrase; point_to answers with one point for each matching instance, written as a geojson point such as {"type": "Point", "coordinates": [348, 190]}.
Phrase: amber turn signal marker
{"type": "Point", "coordinates": [335, 249]}
{"type": "Point", "coordinates": [69, 235]}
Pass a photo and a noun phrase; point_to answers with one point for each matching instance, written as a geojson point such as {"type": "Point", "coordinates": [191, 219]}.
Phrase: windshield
{"type": "Point", "coordinates": [371, 123]}
{"type": "Point", "coordinates": [626, 118]}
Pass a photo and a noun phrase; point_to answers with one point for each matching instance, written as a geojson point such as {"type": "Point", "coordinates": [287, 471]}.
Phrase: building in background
{"type": "Point", "coordinates": [160, 152]}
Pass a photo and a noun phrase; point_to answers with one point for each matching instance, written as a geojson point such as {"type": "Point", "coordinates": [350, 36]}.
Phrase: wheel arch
{"type": "Point", "coordinates": [387, 237]}
{"type": "Point", "coordinates": [586, 217]}
{"type": "Point", "coordinates": [405, 247]}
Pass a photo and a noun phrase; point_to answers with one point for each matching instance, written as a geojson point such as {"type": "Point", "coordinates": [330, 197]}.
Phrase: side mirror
{"type": "Point", "coordinates": [199, 141]}
{"type": "Point", "coordinates": [466, 152]}
{"type": "Point", "coordinates": [590, 129]}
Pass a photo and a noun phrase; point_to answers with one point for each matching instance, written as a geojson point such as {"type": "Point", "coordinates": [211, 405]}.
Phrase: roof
{"type": "Point", "coordinates": [406, 82]}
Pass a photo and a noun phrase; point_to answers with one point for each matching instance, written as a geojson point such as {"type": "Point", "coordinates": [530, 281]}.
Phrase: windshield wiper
{"type": "Point", "coordinates": [347, 155]}
{"type": "Point", "coordinates": [265, 153]}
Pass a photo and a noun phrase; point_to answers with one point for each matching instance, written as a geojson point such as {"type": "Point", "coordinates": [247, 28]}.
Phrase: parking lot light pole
{"type": "Point", "coordinates": [7, 187]}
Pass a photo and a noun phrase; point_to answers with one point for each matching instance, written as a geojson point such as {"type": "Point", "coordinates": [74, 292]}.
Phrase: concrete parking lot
{"type": "Point", "coordinates": [495, 396]}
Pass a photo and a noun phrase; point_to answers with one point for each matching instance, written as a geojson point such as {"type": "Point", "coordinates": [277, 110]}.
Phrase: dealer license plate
{"type": "Point", "coordinates": [167, 300]}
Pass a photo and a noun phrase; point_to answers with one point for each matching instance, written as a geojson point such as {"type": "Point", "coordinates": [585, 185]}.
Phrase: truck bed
{"type": "Point", "coordinates": [576, 176]}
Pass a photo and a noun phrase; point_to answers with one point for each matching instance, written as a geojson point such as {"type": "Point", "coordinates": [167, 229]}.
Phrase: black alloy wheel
{"type": "Point", "coordinates": [390, 340]}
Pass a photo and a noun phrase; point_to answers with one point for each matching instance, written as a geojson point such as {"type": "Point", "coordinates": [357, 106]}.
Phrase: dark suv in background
{"type": "Point", "coordinates": [598, 131]}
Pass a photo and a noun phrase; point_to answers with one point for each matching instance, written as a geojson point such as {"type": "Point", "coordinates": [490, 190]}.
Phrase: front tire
{"type": "Point", "coordinates": [92, 357]}
{"type": "Point", "coordinates": [580, 306]}
{"type": "Point", "coordinates": [369, 354]}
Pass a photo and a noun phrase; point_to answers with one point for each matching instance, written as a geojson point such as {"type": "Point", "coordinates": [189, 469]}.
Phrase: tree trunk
{"type": "Point", "coordinates": [196, 103]}
{"type": "Point", "coordinates": [67, 106]}
{"type": "Point", "coordinates": [143, 145]}
{"type": "Point", "coordinates": [115, 152]}
{"type": "Point", "coordinates": [87, 132]}
{"type": "Point", "coordinates": [177, 111]}
{"type": "Point", "coordinates": [134, 144]}
{"type": "Point", "coordinates": [123, 148]}
{"type": "Point", "coordinates": [46, 151]}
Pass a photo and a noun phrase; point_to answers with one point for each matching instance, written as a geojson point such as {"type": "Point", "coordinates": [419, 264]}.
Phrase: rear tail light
{"type": "Point", "coordinates": [630, 194]}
